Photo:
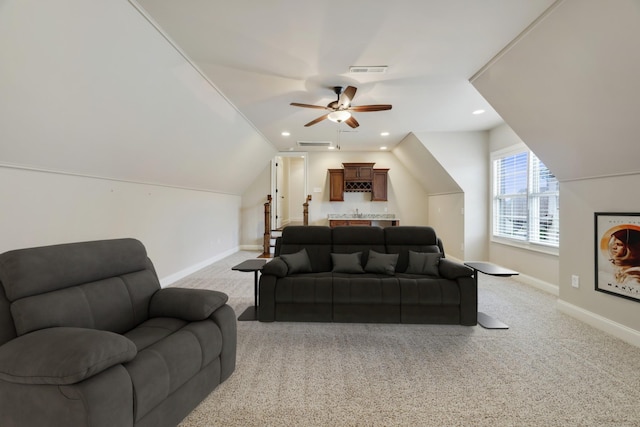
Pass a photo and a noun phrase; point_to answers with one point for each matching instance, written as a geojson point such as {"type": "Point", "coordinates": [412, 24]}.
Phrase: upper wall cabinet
{"type": "Point", "coordinates": [358, 177]}
{"type": "Point", "coordinates": [358, 172]}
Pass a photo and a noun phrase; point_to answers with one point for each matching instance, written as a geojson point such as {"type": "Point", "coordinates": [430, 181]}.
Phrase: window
{"type": "Point", "coordinates": [525, 199]}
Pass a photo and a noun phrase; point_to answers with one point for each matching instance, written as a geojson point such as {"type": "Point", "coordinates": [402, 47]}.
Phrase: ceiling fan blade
{"type": "Point", "coordinates": [352, 122]}
{"type": "Point", "coordinates": [347, 96]}
{"type": "Point", "coordinates": [318, 120]}
{"type": "Point", "coordinates": [366, 108]}
{"type": "Point", "coordinates": [319, 107]}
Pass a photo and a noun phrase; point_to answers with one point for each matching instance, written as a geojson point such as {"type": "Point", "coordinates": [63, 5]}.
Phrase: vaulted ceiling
{"type": "Point", "coordinates": [263, 55]}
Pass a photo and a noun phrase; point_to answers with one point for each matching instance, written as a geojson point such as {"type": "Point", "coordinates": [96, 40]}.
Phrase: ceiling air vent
{"type": "Point", "coordinates": [368, 69]}
{"type": "Point", "coordinates": [314, 143]}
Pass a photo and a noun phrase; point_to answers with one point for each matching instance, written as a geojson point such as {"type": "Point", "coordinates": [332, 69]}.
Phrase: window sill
{"type": "Point", "coordinates": [533, 247]}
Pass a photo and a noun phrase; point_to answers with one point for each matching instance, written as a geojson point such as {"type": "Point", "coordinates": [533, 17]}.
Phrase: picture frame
{"type": "Point", "coordinates": [617, 254]}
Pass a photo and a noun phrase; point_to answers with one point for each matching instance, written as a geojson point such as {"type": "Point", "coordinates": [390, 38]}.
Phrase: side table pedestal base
{"type": "Point", "coordinates": [489, 322]}
{"type": "Point", "coordinates": [251, 313]}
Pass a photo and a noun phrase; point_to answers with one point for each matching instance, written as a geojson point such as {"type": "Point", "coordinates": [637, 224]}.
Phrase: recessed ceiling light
{"type": "Point", "coordinates": [384, 134]}
{"type": "Point", "coordinates": [383, 148]}
{"type": "Point", "coordinates": [285, 133]}
{"type": "Point", "coordinates": [331, 147]}
{"type": "Point", "coordinates": [478, 112]}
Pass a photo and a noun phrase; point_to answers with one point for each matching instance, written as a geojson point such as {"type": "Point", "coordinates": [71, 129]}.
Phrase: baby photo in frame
{"type": "Point", "coordinates": [617, 254]}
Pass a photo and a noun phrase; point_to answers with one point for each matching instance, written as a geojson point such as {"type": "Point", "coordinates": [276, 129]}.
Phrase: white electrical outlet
{"type": "Point", "coordinates": [575, 281]}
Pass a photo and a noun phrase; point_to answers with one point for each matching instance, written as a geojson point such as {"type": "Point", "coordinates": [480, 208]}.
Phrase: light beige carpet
{"type": "Point", "coordinates": [548, 369]}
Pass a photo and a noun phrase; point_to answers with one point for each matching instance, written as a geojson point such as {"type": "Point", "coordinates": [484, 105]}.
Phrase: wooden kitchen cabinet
{"type": "Point", "coordinates": [358, 171]}
{"type": "Point", "coordinates": [342, 222]}
{"type": "Point", "coordinates": [336, 185]}
{"type": "Point", "coordinates": [379, 185]}
{"type": "Point", "coordinates": [366, 179]}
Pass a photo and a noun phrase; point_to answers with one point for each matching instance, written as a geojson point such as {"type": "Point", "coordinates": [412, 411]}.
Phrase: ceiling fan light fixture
{"type": "Point", "coordinates": [338, 116]}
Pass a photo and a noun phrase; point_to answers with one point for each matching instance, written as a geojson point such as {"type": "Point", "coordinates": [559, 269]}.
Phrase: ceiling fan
{"type": "Point", "coordinates": [340, 109]}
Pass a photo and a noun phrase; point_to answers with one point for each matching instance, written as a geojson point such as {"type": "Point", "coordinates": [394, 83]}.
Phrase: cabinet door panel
{"type": "Point", "coordinates": [336, 185]}
{"type": "Point", "coordinates": [379, 185]}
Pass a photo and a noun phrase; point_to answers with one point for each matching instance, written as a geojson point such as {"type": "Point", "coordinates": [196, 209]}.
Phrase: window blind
{"type": "Point", "coordinates": [525, 199]}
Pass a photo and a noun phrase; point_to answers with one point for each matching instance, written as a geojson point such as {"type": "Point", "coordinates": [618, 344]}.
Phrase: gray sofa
{"type": "Point", "coordinates": [88, 338]}
{"type": "Point", "coordinates": [365, 274]}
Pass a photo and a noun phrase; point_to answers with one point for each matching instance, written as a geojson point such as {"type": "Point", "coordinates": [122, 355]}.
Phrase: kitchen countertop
{"type": "Point", "coordinates": [375, 217]}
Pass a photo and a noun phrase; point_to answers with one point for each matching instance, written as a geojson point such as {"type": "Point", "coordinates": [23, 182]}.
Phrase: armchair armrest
{"type": "Point", "coordinates": [62, 356]}
{"type": "Point", "coordinates": [186, 304]}
{"type": "Point", "coordinates": [453, 270]}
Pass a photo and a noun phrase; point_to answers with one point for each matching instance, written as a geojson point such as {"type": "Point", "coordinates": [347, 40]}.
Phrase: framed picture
{"type": "Point", "coordinates": [617, 252]}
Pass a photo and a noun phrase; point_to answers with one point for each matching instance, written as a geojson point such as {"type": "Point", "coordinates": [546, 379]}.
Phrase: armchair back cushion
{"type": "Point", "coordinates": [96, 285]}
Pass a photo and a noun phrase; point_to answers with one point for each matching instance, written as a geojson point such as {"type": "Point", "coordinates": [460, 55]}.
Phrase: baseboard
{"type": "Point", "coordinates": [606, 325]}
{"type": "Point", "coordinates": [166, 281]}
{"type": "Point", "coordinates": [251, 248]}
{"type": "Point", "coordinates": [538, 284]}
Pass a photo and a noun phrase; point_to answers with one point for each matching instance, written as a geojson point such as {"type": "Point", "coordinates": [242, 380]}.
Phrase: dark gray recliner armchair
{"type": "Point", "coordinates": [88, 338]}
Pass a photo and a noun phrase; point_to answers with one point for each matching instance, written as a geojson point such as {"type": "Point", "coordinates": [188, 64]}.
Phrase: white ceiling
{"type": "Point", "coordinates": [262, 55]}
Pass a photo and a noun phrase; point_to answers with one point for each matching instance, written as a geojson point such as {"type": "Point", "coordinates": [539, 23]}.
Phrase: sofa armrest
{"type": "Point", "coordinates": [62, 356]}
{"type": "Point", "coordinates": [267, 309]}
{"type": "Point", "coordinates": [187, 304]}
{"type": "Point", "coordinates": [453, 270]}
{"type": "Point", "coordinates": [276, 267]}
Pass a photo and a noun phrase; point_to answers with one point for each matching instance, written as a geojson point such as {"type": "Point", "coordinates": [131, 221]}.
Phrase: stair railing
{"type": "Point", "coordinates": [266, 241]}
{"type": "Point", "coordinates": [305, 210]}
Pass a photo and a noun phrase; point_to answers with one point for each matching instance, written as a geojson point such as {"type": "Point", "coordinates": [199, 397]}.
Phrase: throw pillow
{"type": "Point", "coordinates": [297, 262]}
{"type": "Point", "coordinates": [347, 263]}
{"type": "Point", "coordinates": [424, 263]}
{"type": "Point", "coordinates": [381, 263]}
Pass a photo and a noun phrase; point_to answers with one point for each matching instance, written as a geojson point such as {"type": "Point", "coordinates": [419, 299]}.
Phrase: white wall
{"type": "Point", "coordinates": [445, 216]}
{"type": "Point", "coordinates": [183, 230]}
{"type": "Point", "coordinates": [406, 197]}
{"type": "Point", "coordinates": [462, 155]}
{"type": "Point", "coordinates": [136, 141]}
{"type": "Point", "coordinates": [568, 88]}
{"type": "Point", "coordinates": [93, 88]}
{"type": "Point", "coordinates": [578, 201]}
{"type": "Point", "coordinates": [253, 201]}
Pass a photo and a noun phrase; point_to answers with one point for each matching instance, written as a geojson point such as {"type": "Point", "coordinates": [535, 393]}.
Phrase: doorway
{"type": "Point", "coordinates": [289, 189]}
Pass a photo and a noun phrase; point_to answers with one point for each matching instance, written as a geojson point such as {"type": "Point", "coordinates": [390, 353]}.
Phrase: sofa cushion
{"type": "Point", "coordinates": [163, 367]}
{"type": "Point", "coordinates": [352, 239]}
{"type": "Point", "coordinates": [381, 263]}
{"type": "Point", "coordinates": [308, 288]}
{"type": "Point", "coordinates": [429, 291]}
{"type": "Point", "coordinates": [62, 356]}
{"type": "Point", "coordinates": [366, 289]}
{"type": "Point", "coordinates": [154, 330]}
{"type": "Point", "coordinates": [32, 271]}
{"type": "Point", "coordinates": [316, 239]}
{"type": "Point", "coordinates": [400, 240]}
{"type": "Point", "coordinates": [298, 262]}
{"type": "Point", "coordinates": [423, 263]}
{"type": "Point", "coordinates": [115, 304]}
{"type": "Point", "coordinates": [347, 263]}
